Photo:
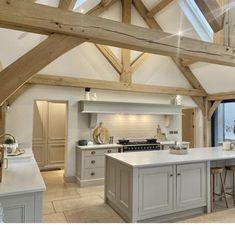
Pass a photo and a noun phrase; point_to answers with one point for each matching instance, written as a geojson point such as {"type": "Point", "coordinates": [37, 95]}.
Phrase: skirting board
{"type": "Point", "coordinates": [86, 183]}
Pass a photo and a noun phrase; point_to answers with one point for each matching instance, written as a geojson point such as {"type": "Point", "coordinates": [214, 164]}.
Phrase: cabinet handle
{"type": "Point", "coordinates": [93, 161]}
{"type": "Point", "coordinates": [171, 175]}
{"type": "Point", "coordinates": [109, 151]}
{"type": "Point", "coordinates": [93, 173]}
{"type": "Point", "coordinates": [178, 174]}
{"type": "Point", "coordinates": [93, 152]}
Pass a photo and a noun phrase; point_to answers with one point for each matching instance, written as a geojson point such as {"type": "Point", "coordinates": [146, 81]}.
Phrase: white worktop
{"type": "Point", "coordinates": [22, 176]}
{"type": "Point", "coordinates": [157, 158]}
{"type": "Point", "coordinates": [101, 146]}
{"type": "Point", "coordinates": [172, 142]}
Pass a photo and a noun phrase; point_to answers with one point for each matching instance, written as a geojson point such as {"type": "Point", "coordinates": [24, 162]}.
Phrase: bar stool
{"type": "Point", "coordinates": [231, 168]}
{"type": "Point", "coordinates": [217, 171]}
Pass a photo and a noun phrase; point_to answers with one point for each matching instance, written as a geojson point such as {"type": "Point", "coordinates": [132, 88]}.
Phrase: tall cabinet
{"type": "Point", "coordinates": [49, 133]}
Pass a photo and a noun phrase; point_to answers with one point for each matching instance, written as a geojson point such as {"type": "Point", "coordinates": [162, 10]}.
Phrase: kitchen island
{"type": "Point", "coordinates": [158, 186]}
{"type": "Point", "coordinates": [21, 190]}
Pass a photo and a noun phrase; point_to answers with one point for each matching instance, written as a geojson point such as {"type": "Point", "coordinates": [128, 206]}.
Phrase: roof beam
{"type": "Point", "coordinates": [67, 4]}
{"type": "Point", "coordinates": [139, 61]}
{"type": "Point", "coordinates": [101, 7]}
{"type": "Point", "coordinates": [221, 96]}
{"type": "Point", "coordinates": [212, 12]}
{"type": "Point", "coordinates": [25, 15]}
{"type": "Point", "coordinates": [126, 76]}
{"type": "Point", "coordinates": [157, 8]}
{"type": "Point", "coordinates": [113, 60]}
{"type": "Point", "coordinates": [111, 85]}
{"type": "Point", "coordinates": [19, 72]}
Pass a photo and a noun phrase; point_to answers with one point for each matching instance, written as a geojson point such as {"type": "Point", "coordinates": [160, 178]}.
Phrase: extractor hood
{"type": "Point", "coordinates": [86, 106]}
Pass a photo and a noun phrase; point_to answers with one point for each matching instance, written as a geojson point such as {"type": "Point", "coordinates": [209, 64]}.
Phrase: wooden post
{"type": "Point", "coordinates": [207, 125]}
{"type": "Point", "coordinates": [2, 120]}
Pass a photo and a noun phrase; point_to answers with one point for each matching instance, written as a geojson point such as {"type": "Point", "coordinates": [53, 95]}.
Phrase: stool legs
{"type": "Point", "coordinates": [223, 188]}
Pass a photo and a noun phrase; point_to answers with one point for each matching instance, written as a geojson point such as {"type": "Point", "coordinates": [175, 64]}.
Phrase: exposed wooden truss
{"type": "Point", "coordinates": [67, 4]}
{"type": "Point", "coordinates": [157, 8]}
{"type": "Point", "coordinates": [126, 75]}
{"type": "Point", "coordinates": [111, 85]}
{"type": "Point", "coordinates": [19, 72]}
{"type": "Point", "coordinates": [101, 7]}
{"type": "Point", "coordinates": [221, 96]}
{"type": "Point", "coordinates": [139, 61]}
{"type": "Point", "coordinates": [39, 19]}
{"type": "Point", "coordinates": [213, 108]}
{"type": "Point", "coordinates": [212, 12]}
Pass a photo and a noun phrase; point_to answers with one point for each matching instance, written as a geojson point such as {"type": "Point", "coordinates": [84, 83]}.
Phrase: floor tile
{"type": "Point", "coordinates": [48, 208]}
{"type": "Point", "coordinates": [54, 218]}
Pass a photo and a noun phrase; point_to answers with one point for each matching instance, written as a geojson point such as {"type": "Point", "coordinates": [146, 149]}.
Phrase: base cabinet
{"type": "Point", "coordinates": [156, 190]}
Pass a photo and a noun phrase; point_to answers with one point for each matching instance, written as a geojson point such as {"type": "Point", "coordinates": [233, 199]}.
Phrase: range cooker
{"type": "Point", "coordinates": [141, 146]}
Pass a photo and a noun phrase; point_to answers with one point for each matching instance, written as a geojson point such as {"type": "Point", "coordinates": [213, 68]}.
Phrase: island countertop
{"type": "Point", "coordinates": [158, 158]}
{"type": "Point", "coordinates": [22, 176]}
{"type": "Point", "coordinates": [99, 146]}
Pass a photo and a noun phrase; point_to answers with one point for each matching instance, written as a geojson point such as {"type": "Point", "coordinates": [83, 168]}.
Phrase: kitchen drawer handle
{"type": "Point", "coordinates": [92, 173]}
{"type": "Point", "coordinates": [93, 152]}
{"type": "Point", "coordinates": [93, 161]}
{"type": "Point", "coordinates": [171, 175]}
{"type": "Point", "coordinates": [178, 174]}
{"type": "Point", "coordinates": [109, 151]}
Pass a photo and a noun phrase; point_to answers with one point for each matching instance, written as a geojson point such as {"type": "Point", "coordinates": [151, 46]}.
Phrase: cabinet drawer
{"type": "Point", "coordinates": [95, 173]}
{"type": "Point", "coordinates": [94, 161]}
{"type": "Point", "coordinates": [100, 151]}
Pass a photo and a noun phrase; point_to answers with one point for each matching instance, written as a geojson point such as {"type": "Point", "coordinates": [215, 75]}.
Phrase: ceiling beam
{"type": "Point", "coordinates": [213, 108]}
{"type": "Point", "coordinates": [113, 60]}
{"type": "Point", "coordinates": [67, 4]}
{"type": "Point", "coordinates": [19, 72]}
{"type": "Point", "coordinates": [212, 12]}
{"type": "Point", "coordinates": [111, 85]}
{"type": "Point", "coordinates": [221, 96]}
{"type": "Point", "coordinates": [126, 76]}
{"type": "Point", "coordinates": [158, 7]}
{"type": "Point", "coordinates": [25, 15]}
{"type": "Point", "coordinates": [101, 7]}
{"type": "Point", "coordinates": [139, 61]}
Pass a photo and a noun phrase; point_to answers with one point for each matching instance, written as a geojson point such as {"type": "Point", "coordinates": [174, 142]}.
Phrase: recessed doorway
{"type": "Point", "coordinates": [50, 133]}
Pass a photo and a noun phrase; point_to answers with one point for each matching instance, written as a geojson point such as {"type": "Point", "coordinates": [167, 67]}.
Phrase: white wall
{"type": "Point", "coordinates": [19, 120]}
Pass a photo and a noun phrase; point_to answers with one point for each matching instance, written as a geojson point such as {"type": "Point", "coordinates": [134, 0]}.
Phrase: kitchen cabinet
{"type": "Point", "coordinates": [156, 186]}
{"type": "Point", "coordinates": [90, 163]}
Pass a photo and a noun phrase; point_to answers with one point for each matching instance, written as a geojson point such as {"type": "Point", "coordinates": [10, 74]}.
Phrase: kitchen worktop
{"type": "Point", "coordinates": [172, 142]}
{"type": "Point", "coordinates": [156, 158]}
{"type": "Point", "coordinates": [100, 146]}
{"type": "Point", "coordinates": [22, 176]}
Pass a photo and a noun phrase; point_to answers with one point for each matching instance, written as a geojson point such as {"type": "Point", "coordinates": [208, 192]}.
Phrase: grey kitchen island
{"type": "Point", "coordinates": [158, 186]}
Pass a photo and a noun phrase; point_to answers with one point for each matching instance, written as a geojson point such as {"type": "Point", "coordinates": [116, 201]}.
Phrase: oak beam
{"type": "Point", "coordinates": [67, 4]}
{"type": "Point", "coordinates": [139, 61]}
{"type": "Point", "coordinates": [111, 85]}
{"type": "Point", "coordinates": [221, 96]}
{"type": "Point", "coordinates": [113, 60]}
{"type": "Point", "coordinates": [200, 103]}
{"type": "Point", "coordinates": [126, 76]}
{"type": "Point", "coordinates": [213, 108]}
{"type": "Point", "coordinates": [19, 72]}
{"type": "Point", "coordinates": [25, 15]}
{"type": "Point", "coordinates": [101, 7]}
{"type": "Point", "coordinates": [157, 8]}
{"type": "Point", "coordinates": [212, 12]}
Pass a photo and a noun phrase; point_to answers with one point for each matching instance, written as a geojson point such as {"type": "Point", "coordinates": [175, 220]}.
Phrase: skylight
{"type": "Point", "coordinates": [79, 3]}
{"type": "Point", "coordinates": [197, 20]}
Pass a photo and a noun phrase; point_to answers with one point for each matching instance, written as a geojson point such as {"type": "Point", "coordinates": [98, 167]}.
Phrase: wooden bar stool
{"type": "Point", "coordinates": [217, 171]}
{"type": "Point", "coordinates": [231, 168]}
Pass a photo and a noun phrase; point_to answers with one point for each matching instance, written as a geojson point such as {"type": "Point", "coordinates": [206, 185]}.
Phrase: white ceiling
{"type": "Point", "coordinates": [86, 61]}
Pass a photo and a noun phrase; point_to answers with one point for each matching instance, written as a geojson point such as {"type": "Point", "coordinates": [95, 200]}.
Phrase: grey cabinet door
{"type": "Point", "coordinates": [191, 185]}
{"type": "Point", "coordinates": [156, 186]}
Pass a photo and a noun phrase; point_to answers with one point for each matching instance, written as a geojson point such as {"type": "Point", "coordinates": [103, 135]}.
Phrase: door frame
{"type": "Point", "coordinates": [66, 121]}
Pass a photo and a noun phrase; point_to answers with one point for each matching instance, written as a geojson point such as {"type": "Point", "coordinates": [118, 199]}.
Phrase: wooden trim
{"type": "Point", "coordinates": [126, 76]}
{"type": "Point", "coordinates": [139, 61]}
{"type": "Point", "coordinates": [186, 62]}
{"type": "Point", "coordinates": [38, 18]}
{"type": "Point", "coordinates": [157, 8]}
{"type": "Point", "coordinates": [111, 85]}
{"type": "Point", "coordinates": [67, 4]}
{"type": "Point", "coordinates": [221, 96]}
{"type": "Point", "coordinates": [19, 72]}
{"type": "Point", "coordinates": [213, 108]}
{"type": "Point", "coordinates": [113, 60]}
{"type": "Point", "coordinates": [213, 13]}
{"type": "Point", "coordinates": [101, 7]}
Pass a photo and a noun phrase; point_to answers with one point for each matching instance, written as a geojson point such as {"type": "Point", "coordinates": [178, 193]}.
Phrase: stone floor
{"type": "Point", "coordinates": [67, 203]}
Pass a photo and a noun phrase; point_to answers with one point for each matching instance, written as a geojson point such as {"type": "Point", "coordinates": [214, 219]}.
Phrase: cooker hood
{"type": "Point", "coordinates": [86, 106]}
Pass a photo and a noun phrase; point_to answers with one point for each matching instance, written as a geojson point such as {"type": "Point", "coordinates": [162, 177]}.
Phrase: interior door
{"type": "Point", "coordinates": [188, 126]}
{"type": "Point", "coordinates": [56, 132]}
